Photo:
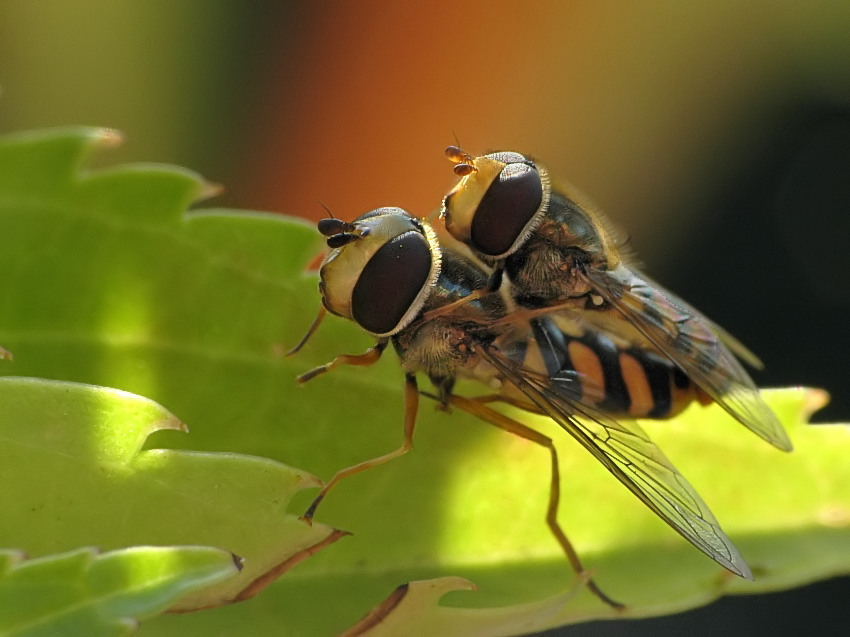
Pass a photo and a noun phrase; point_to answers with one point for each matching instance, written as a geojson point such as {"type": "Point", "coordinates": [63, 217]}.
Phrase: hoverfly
{"type": "Point", "coordinates": [557, 253]}
{"type": "Point", "coordinates": [5, 354]}
{"type": "Point", "coordinates": [387, 272]}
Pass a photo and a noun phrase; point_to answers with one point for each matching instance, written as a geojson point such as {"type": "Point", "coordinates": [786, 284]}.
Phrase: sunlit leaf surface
{"type": "Point", "coordinates": [108, 281]}
{"type": "Point", "coordinates": [73, 475]}
{"type": "Point", "coordinates": [83, 593]}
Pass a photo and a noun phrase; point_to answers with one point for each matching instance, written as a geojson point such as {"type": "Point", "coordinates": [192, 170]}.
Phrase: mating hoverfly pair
{"type": "Point", "coordinates": [576, 333]}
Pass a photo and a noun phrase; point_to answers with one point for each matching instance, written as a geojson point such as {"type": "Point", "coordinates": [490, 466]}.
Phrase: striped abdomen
{"type": "Point", "coordinates": [621, 380]}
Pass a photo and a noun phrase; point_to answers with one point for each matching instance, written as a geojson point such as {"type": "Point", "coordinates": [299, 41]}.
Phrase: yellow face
{"type": "Point", "coordinates": [463, 200]}
{"type": "Point", "coordinates": [498, 202]}
{"type": "Point", "coordinates": [383, 272]}
{"type": "Point", "coordinates": [503, 200]}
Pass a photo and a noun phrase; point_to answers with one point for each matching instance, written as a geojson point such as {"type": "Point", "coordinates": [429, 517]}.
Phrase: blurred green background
{"type": "Point", "coordinates": [717, 134]}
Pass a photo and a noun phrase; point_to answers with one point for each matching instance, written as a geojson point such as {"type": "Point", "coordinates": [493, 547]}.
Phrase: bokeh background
{"type": "Point", "coordinates": [716, 133]}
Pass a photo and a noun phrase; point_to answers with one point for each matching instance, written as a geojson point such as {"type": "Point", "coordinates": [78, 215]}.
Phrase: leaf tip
{"type": "Point", "coordinates": [9, 558]}
{"type": "Point", "coordinates": [835, 515]}
{"type": "Point", "coordinates": [407, 603]}
{"type": "Point", "coordinates": [171, 422]}
{"type": "Point", "coordinates": [208, 190]}
{"type": "Point", "coordinates": [276, 571]}
{"type": "Point", "coordinates": [108, 137]}
{"type": "Point", "coordinates": [814, 400]}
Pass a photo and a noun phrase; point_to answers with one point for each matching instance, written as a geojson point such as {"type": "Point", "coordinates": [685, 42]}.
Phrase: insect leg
{"type": "Point", "coordinates": [509, 400]}
{"type": "Point", "coordinates": [494, 282]}
{"type": "Point", "coordinates": [411, 405]}
{"type": "Point", "coordinates": [313, 327]}
{"type": "Point", "coordinates": [369, 357]}
{"type": "Point", "coordinates": [478, 409]}
{"type": "Point", "coordinates": [450, 307]}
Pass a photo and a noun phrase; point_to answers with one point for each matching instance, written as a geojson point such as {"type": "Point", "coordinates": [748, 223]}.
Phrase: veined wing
{"type": "Point", "coordinates": [691, 341]}
{"type": "Point", "coordinates": [628, 453]}
{"type": "Point", "coordinates": [733, 344]}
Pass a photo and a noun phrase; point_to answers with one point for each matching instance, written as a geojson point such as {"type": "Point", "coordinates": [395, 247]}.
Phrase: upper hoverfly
{"type": "Point", "coordinates": [558, 254]}
{"type": "Point", "coordinates": [387, 272]}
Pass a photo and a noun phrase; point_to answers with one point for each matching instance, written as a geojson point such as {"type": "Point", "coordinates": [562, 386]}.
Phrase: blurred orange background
{"type": "Point", "coordinates": [641, 105]}
{"type": "Point", "coordinates": [717, 134]}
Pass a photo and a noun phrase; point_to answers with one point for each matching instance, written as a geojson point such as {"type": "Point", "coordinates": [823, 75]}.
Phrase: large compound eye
{"type": "Point", "coordinates": [509, 204]}
{"type": "Point", "coordinates": [390, 283]}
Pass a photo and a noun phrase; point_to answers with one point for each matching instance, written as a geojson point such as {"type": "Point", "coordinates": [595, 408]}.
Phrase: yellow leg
{"type": "Point", "coordinates": [369, 357]}
{"type": "Point", "coordinates": [494, 283]}
{"type": "Point", "coordinates": [450, 307]}
{"type": "Point", "coordinates": [313, 327]}
{"type": "Point", "coordinates": [479, 409]}
{"type": "Point", "coordinates": [411, 405]}
{"type": "Point", "coordinates": [509, 400]}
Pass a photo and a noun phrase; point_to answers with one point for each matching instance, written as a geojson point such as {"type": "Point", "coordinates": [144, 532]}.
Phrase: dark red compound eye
{"type": "Point", "coordinates": [390, 282]}
{"type": "Point", "coordinates": [509, 204]}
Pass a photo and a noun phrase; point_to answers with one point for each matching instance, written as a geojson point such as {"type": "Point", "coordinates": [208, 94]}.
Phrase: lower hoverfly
{"type": "Point", "coordinates": [387, 272]}
{"type": "Point", "coordinates": [4, 353]}
{"type": "Point", "coordinates": [556, 252]}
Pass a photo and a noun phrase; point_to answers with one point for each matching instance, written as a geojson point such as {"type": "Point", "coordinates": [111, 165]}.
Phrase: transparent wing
{"type": "Point", "coordinates": [628, 453]}
{"type": "Point", "coordinates": [694, 343]}
{"type": "Point", "coordinates": [735, 346]}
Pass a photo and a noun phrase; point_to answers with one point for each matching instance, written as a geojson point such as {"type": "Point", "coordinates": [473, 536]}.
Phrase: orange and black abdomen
{"type": "Point", "coordinates": [623, 381]}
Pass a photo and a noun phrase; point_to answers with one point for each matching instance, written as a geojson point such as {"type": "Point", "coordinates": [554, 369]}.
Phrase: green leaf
{"type": "Point", "coordinates": [196, 310]}
{"type": "Point", "coordinates": [83, 593]}
{"type": "Point", "coordinates": [788, 513]}
{"type": "Point", "coordinates": [72, 474]}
